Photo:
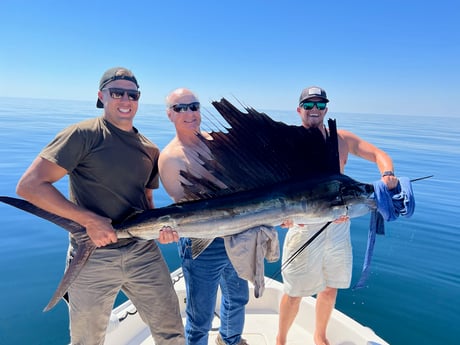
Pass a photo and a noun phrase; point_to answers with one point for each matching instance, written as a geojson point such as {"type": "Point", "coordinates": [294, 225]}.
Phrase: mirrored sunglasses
{"type": "Point", "coordinates": [310, 105]}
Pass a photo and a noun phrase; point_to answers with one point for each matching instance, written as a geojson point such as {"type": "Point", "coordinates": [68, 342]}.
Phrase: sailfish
{"type": "Point", "coordinates": [272, 172]}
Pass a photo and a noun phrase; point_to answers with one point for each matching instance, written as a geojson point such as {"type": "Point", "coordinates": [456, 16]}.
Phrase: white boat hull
{"type": "Point", "coordinates": [261, 323]}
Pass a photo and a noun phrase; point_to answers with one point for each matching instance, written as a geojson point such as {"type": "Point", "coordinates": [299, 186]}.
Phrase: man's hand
{"type": "Point", "coordinates": [390, 181]}
{"type": "Point", "coordinates": [100, 231]}
{"type": "Point", "coordinates": [287, 223]}
{"type": "Point", "coordinates": [341, 219]}
{"type": "Point", "coordinates": [168, 235]}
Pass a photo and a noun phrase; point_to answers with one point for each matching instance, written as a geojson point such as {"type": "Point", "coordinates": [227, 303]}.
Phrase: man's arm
{"type": "Point", "coordinates": [366, 150]}
{"type": "Point", "coordinates": [167, 235]}
{"type": "Point", "coordinates": [169, 167]}
{"type": "Point", "coordinates": [149, 196]}
{"type": "Point", "coordinates": [36, 186]}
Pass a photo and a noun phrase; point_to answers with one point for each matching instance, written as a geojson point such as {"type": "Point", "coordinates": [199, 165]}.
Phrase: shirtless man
{"type": "Point", "coordinates": [327, 263]}
{"type": "Point", "coordinates": [212, 267]}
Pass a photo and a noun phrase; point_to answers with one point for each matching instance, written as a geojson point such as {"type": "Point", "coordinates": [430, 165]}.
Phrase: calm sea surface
{"type": "Point", "coordinates": [412, 296]}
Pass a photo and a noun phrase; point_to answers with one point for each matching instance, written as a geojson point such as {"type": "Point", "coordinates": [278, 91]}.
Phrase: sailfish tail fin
{"type": "Point", "coordinates": [85, 246]}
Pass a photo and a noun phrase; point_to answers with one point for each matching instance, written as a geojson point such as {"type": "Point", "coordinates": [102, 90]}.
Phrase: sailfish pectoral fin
{"type": "Point", "coordinates": [199, 245]}
{"type": "Point", "coordinates": [85, 248]}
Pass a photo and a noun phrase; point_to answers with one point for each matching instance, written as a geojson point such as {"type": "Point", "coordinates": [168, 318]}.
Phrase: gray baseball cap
{"type": "Point", "coordinates": [312, 92]}
{"type": "Point", "coordinates": [112, 74]}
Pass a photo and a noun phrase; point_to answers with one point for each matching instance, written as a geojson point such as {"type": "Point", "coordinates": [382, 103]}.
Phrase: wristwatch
{"type": "Point", "coordinates": [388, 173]}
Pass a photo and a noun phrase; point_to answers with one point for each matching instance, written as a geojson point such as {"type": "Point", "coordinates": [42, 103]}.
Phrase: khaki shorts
{"type": "Point", "coordinates": [326, 261]}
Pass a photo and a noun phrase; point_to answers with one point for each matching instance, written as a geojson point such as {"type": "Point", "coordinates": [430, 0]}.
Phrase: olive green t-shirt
{"type": "Point", "coordinates": [108, 168]}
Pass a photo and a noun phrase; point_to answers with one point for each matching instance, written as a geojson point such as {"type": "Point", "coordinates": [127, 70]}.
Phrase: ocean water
{"type": "Point", "coordinates": [411, 297]}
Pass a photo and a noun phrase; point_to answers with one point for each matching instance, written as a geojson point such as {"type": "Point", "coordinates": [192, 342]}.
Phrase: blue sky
{"type": "Point", "coordinates": [387, 56]}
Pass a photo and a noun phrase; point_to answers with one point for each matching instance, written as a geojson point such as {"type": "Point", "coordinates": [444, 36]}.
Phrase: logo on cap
{"type": "Point", "coordinates": [314, 91]}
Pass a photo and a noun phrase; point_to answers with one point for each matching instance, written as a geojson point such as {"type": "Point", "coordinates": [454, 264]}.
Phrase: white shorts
{"type": "Point", "coordinates": [326, 261]}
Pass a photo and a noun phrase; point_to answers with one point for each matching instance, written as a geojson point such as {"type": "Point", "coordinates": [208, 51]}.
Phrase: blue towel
{"type": "Point", "coordinates": [390, 205]}
{"type": "Point", "coordinates": [395, 202]}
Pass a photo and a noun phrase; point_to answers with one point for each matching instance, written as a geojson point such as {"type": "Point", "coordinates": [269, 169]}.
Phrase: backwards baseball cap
{"type": "Point", "coordinates": [115, 73]}
{"type": "Point", "coordinates": [312, 92]}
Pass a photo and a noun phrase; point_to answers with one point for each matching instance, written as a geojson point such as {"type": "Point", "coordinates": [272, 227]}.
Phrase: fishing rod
{"type": "Point", "coordinates": [298, 251]}
{"type": "Point", "coordinates": [421, 178]}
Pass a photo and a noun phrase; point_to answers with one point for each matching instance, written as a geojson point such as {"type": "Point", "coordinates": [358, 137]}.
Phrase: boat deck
{"type": "Point", "coordinates": [260, 329]}
{"type": "Point", "coordinates": [261, 323]}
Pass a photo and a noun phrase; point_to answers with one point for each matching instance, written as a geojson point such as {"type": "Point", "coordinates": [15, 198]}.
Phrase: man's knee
{"type": "Point", "coordinates": [292, 301]}
{"type": "Point", "coordinates": [328, 294]}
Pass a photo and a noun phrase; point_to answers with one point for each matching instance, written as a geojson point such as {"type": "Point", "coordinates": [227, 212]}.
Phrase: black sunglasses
{"type": "Point", "coordinates": [310, 105]}
{"type": "Point", "coordinates": [117, 93]}
{"type": "Point", "coordinates": [182, 108]}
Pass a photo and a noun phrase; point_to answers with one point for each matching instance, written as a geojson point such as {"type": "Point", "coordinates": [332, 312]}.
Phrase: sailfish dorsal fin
{"type": "Point", "coordinates": [256, 151]}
